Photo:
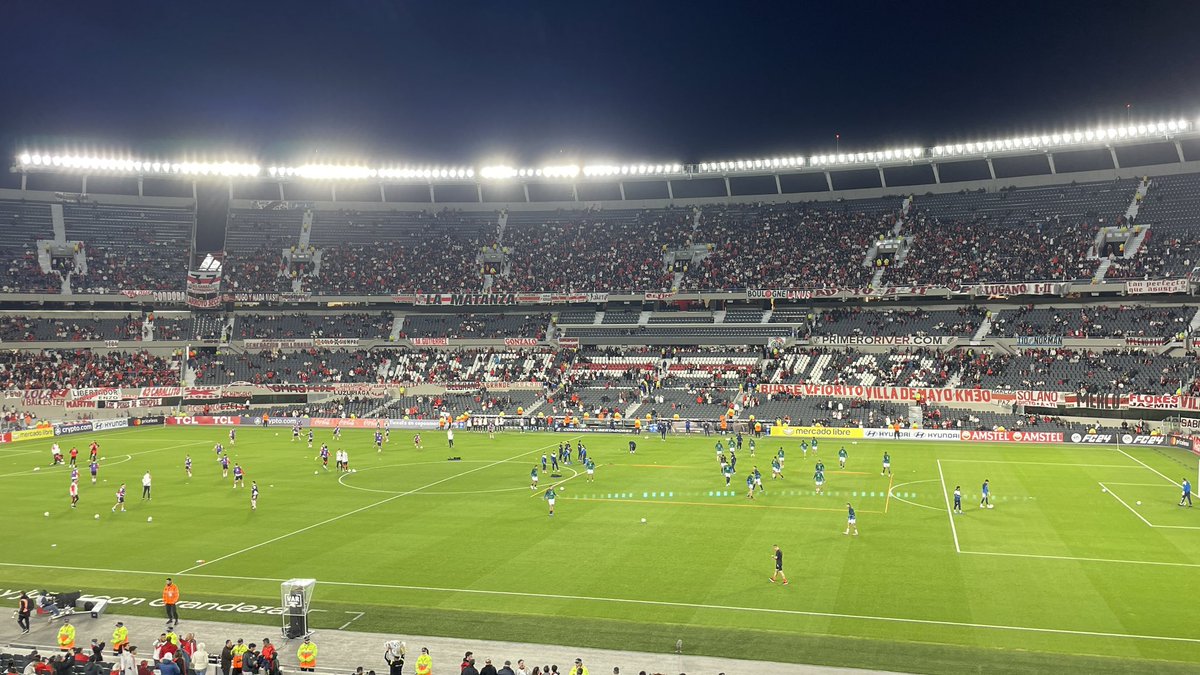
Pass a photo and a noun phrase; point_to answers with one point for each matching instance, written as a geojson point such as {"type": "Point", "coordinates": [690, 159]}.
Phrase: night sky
{"type": "Point", "coordinates": [456, 82]}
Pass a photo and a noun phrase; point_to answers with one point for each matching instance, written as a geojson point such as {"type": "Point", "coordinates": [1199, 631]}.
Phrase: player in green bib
{"type": "Point", "coordinates": [549, 497]}
{"type": "Point", "coordinates": [842, 457]}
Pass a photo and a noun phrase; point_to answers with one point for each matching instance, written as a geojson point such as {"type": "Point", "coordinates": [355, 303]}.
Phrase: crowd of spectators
{"type": "Point", "coordinates": [377, 325]}
{"type": "Point", "coordinates": [148, 268]}
{"type": "Point", "coordinates": [21, 273]}
{"type": "Point", "coordinates": [310, 366]}
{"type": "Point", "coordinates": [786, 246]}
{"type": "Point", "coordinates": [433, 263]}
{"type": "Point", "coordinates": [962, 252]}
{"type": "Point", "coordinates": [82, 368]}
{"type": "Point", "coordinates": [258, 270]}
{"type": "Point", "coordinates": [475, 325]}
{"type": "Point", "coordinates": [1102, 321]}
{"type": "Point", "coordinates": [1166, 252]}
{"type": "Point", "coordinates": [964, 321]}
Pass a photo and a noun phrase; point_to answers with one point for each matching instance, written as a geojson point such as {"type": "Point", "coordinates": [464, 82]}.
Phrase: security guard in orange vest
{"type": "Point", "coordinates": [170, 598]}
{"type": "Point", "coordinates": [120, 638]}
{"type": "Point", "coordinates": [307, 655]}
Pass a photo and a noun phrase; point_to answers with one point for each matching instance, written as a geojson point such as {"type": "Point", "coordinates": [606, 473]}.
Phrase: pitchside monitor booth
{"type": "Point", "coordinates": [295, 596]}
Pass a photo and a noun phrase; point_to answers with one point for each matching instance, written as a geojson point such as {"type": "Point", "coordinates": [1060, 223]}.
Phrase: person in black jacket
{"type": "Point", "coordinates": [24, 607]}
{"type": "Point", "coordinates": [227, 657]}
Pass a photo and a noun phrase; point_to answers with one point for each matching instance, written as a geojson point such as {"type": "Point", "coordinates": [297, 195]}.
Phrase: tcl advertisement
{"type": "Point", "coordinates": [205, 420]}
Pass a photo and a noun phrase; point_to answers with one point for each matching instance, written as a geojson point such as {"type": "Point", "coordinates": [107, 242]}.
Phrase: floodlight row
{"type": "Point", "coordinates": [357, 172]}
{"type": "Point", "coordinates": [113, 164]}
{"type": "Point", "coordinates": [1098, 135]}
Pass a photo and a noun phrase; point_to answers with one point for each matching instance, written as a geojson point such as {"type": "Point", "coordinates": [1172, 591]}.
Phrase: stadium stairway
{"type": "Point", "coordinates": [59, 222]}
{"type": "Point", "coordinates": [397, 326]}
{"type": "Point", "coordinates": [1101, 270]}
{"type": "Point", "coordinates": [1136, 241]}
{"type": "Point", "coordinates": [985, 327]}
{"type": "Point", "coordinates": [341, 651]}
{"type": "Point", "coordinates": [1194, 326]}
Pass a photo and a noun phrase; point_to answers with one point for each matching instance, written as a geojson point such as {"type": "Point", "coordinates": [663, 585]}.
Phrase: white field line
{"type": "Point", "coordinates": [949, 509]}
{"type": "Point", "coordinates": [1164, 476]}
{"type": "Point", "coordinates": [1123, 503]}
{"type": "Point", "coordinates": [702, 606]}
{"type": "Point", "coordinates": [360, 509]}
{"type": "Point", "coordinates": [913, 482]}
{"type": "Point", "coordinates": [66, 468]}
{"type": "Point", "coordinates": [1015, 461]}
{"type": "Point", "coordinates": [1153, 563]}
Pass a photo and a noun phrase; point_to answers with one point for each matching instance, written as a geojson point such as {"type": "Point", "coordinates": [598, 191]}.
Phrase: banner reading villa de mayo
{"type": "Point", "coordinates": [931, 395]}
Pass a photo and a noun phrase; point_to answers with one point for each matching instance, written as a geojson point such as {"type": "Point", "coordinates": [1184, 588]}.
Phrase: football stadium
{"type": "Point", "coordinates": [928, 408]}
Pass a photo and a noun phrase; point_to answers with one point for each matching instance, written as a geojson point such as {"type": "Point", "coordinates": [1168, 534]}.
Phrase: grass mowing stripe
{"type": "Point", "coordinates": [1131, 509]}
{"type": "Point", "coordinates": [949, 509]}
{"type": "Point", "coordinates": [363, 508]}
{"type": "Point", "coordinates": [684, 605]}
{"type": "Point", "coordinates": [1178, 485]}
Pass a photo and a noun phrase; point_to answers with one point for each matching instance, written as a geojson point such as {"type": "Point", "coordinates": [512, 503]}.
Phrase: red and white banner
{"type": "Point", "coordinates": [882, 340]}
{"type": "Point", "coordinates": [520, 342]}
{"type": "Point", "coordinates": [429, 342]}
{"type": "Point", "coordinates": [651, 296]}
{"type": "Point", "coordinates": [136, 294]}
{"type": "Point", "coordinates": [82, 403]}
{"type": "Point", "coordinates": [1024, 288]}
{"type": "Point", "coordinates": [203, 302]}
{"type": "Point", "coordinates": [46, 396]}
{"type": "Point", "coordinates": [1013, 436]}
{"type": "Point", "coordinates": [205, 393]}
{"type": "Point", "coordinates": [272, 345]}
{"type": "Point", "coordinates": [158, 392]}
{"type": "Point", "coordinates": [96, 394]}
{"type": "Point", "coordinates": [1164, 402]}
{"type": "Point", "coordinates": [1157, 286]}
{"type": "Point", "coordinates": [568, 342]}
{"type": "Point", "coordinates": [928, 395]}
{"type": "Point", "coordinates": [205, 420]}
{"type": "Point", "coordinates": [136, 403]}
{"type": "Point", "coordinates": [336, 342]}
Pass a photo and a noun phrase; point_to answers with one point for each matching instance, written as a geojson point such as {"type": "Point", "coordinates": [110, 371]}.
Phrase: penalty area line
{"type": "Point", "coordinates": [673, 604]}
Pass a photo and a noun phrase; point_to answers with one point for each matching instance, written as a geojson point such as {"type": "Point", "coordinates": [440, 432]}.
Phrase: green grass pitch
{"type": "Point", "coordinates": [1086, 562]}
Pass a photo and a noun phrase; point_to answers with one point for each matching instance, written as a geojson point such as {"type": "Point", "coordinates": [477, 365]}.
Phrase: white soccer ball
{"type": "Point", "coordinates": [1104, 489]}
{"type": "Point", "coordinates": [37, 468]}
{"type": "Point", "coordinates": [643, 521]}
{"type": "Point", "coordinates": [276, 433]}
{"type": "Point", "coordinates": [149, 519]}
{"type": "Point", "coordinates": [47, 514]}
{"type": "Point", "coordinates": [1139, 503]}
{"type": "Point", "coordinates": [314, 473]}
{"type": "Point", "coordinates": [97, 516]}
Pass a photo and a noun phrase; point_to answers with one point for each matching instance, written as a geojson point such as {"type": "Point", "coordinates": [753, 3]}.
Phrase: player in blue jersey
{"type": "Point", "coordinates": [533, 479]}
{"type": "Point", "coordinates": [94, 467]}
{"type": "Point", "coordinates": [120, 498]}
{"type": "Point", "coordinates": [633, 447]}
{"type": "Point", "coordinates": [851, 522]}
{"type": "Point", "coordinates": [738, 440]}
{"type": "Point", "coordinates": [378, 441]}
{"type": "Point", "coordinates": [590, 467]}
{"type": "Point", "coordinates": [819, 480]}
{"type": "Point", "coordinates": [296, 431]}
{"type": "Point", "coordinates": [550, 497]}
{"type": "Point", "coordinates": [187, 465]}
{"type": "Point", "coordinates": [325, 456]}
{"type": "Point", "coordinates": [887, 464]}
{"type": "Point", "coordinates": [554, 463]}
{"type": "Point", "coordinates": [986, 500]}
{"type": "Point", "coordinates": [253, 496]}
{"type": "Point", "coordinates": [958, 499]}
{"type": "Point", "coordinates": [74, 474]}
{"type": "Point", "coordinates": [337, 431]}
{"type": "Point", "coordinates": [238, 476]}
{"type": "Point", "coordinates": [582, 453]}
{"type": "Point", "coordinates": [842, 457]}
{"type": "Point", "coordinates": [1187, 493]}
{"type": "Point", "coordinates": [544, 460]}
{"type": "Point", "coordinates": [232, 437]}
{"type": "Point", "coordinates": [733, 461]}
{"type": "Point", "coordinates": [218, 450]}
{"type": "Point", "coordinates": [750, 486]}
{"type": "Point", "coordinates": [224, 466]}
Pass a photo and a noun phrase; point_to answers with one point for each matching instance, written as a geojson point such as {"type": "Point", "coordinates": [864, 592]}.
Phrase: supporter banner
{"type": "Point", "coordinates": [1145, 341]}
{"type": "Point", "coordinates": [912, 393]}
{"type": "Point", "coordinates": [33, 434]}
{"type": "Point", "coordinates": [1157, 286]}
{"type": "Point", "coordinates": [568, 342]}
{"type": "Point", "coordinates": [205, 393]}
{"type": "Point", "coordinates": [151, 421]}
{"type": "Point", "coordinates": [1164, 402]}
{"type": "Point", "coordinates": [1013, 436]}
{"type": "Point", "coordinates": [1190, 423]}
{"type": "Point", "coordinates": [882, 340]}
{"type": "Point", "coordinates": [272, 345]}
{"type": "Point", "coordinates": [170, 296]}
{"type": "Point", "coordinates": [914, 434]}
{"type": "Point", "coordinates": [663, 295]}
{"type": "Point", "coordinates": [203, 287]}
{"type": "Point", "coordinates": [250, 297]}
{"type": "Point", "coordinates": [206, 420]}
{"type": "Point", "coordinates": [42, 396]}
{"type": "Point", "coordinates": [1094, 439]}
{"type": "Point", "coordinates": [406, 299]}
{"type": "Point", "coordinates": [811, 293]}
{"type": "Point", "coordinates": [358, 423]}
{"type": "Point", "coordinates": [72, 428]}
{"type": "Point", "coordinates": [295, 297]}
{"type": "Point", "coordinates": [815, 432]}
{"type": "Point", "coordinates": [429, 342]}
{"type": "Point", "coordinates": [462, 386]}
{"type": "Point", "coordinates": [105, 425]}
{"type": "Point", "coordinates": [136, 403]}
{"type": "Point", "coordinates": [136, 294]}
{"type": "Point", "coordinates": [97, 394]}
{"type": "Point", "coordinates": [204, 303]}
{"type": "Point", "coordinates": [78, 405]}
{"type": "Point", "coordinates": [159, 392]}
{"type": "Point", "coordinates": [296, 388]}
{"type": "Point", "coordinates": [210, 408]}
{"type": "Point", "coordinates": [336, 342]}
{"type": "Point", "coordinates": [112, 344]}
{"type": "Point", "coordinates": [6, 437]}
{"type": "Point", "coordinates": [1026, 288]}
{"type": "Point", "coordinates": [1039, 340]}
{"type": "Point", "coordinates": [520, 342]}
{"type": "Point", "coordinates": [367, 389]}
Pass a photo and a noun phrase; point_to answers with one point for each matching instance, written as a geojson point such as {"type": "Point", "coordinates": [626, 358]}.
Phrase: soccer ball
{"type": "Point", "coordinates": [314, 473]}
{"type": "Point", "coordinates": [37, 468]}
{"type": "Point", "coordinates": [47, 514]}
{"type": "Point", "coordinates": [276, 433]}
{"type": "Point", "coordinates": [1139, 503]}
{"type": "Point", "coordinates": [1104, 489]}
{"type": "Point", "coordinates": [149, 519]}
{"type": "Point", "coordinates": [97, 516]}
{"type": "Point", "coordinates": [643, 521]}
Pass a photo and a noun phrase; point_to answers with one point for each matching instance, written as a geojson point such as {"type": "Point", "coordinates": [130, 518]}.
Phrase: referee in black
{"type": "Point", "coordinates": [778, 555]}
